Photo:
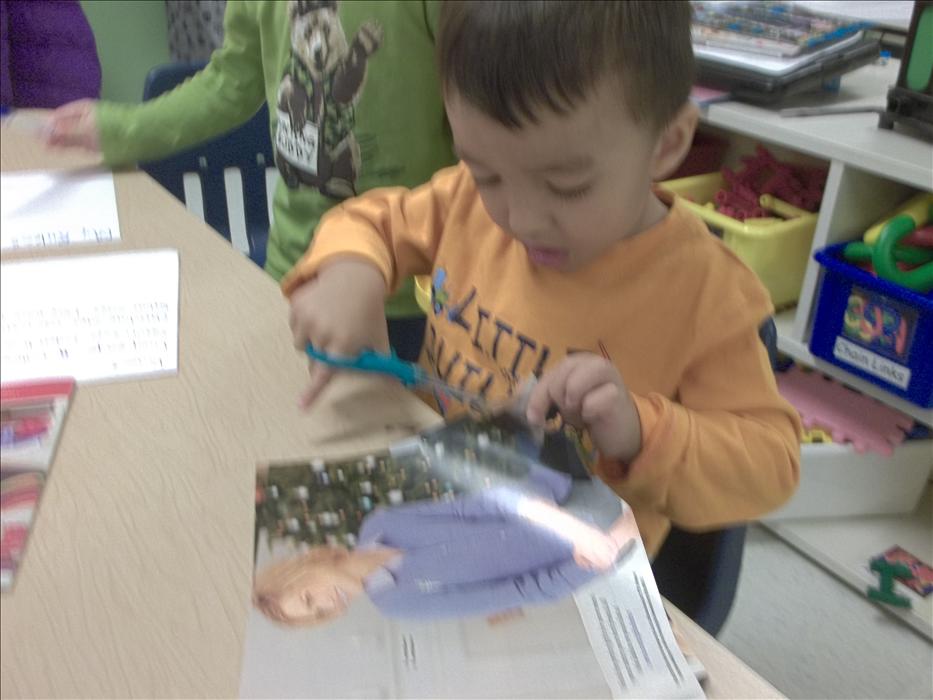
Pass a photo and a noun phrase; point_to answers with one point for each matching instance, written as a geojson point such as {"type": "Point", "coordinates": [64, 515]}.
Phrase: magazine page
{"type": "Point", "coordinates": [453, 564]}
{"type": "Point", "coordinates": [31, 418]}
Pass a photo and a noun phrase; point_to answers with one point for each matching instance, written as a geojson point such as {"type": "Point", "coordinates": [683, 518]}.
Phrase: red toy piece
{"type": "Point", "coordinates": [920, 238]}
{"type": "Point", "coordinates": [762, 173]}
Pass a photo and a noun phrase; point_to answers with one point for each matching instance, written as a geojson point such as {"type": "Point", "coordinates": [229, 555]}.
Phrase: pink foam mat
{"type": "Point", "coordinates": [846, 414]}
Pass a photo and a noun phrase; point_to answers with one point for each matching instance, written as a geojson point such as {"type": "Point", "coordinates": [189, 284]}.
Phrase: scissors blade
{"type": "Point", "coordinates": [473, 401]}
{"type": "Point", "coordinates": [411, 374]}
{"type": "Point", "coordinates": [515, 406]}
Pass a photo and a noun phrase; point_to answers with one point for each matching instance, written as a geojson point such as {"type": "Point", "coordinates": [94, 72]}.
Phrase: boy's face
{"type": "Point", "coordinates": [568, 187]}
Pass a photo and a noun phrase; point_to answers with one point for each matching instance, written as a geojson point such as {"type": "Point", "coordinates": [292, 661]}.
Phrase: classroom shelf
{"type": "Point", "coordinates": [854, 139]}
{"type": "Point", "coordinates": [870, 172]}
{"type": "Point", "coordinates": [844, 546]}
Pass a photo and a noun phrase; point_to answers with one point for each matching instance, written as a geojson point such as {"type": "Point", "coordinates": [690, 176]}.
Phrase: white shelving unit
{"type": "Point", "coordinates": [850, 139]}
{"type": "Point", "coordinates": [870, 171]}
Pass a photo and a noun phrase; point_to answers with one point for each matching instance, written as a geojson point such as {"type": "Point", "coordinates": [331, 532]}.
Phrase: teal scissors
{"type": "Point", "coordinates": [408, 373]}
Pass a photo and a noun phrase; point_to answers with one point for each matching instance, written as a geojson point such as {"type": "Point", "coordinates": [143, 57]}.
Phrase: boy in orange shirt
{"type": "Point", "coordinates": [551, 255]}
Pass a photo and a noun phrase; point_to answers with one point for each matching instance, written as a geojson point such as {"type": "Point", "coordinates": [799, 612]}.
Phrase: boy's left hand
{"type": "Point", "coordinates": [589, 393]}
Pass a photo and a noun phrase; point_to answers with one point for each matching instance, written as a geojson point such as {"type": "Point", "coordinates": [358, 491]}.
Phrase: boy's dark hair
{"type": "Point", "coordinates": [510, 59]}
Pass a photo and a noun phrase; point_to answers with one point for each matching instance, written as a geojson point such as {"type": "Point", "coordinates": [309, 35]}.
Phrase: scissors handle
{"type": "Point", "coordinates": [408, 373]}
{"type": "Point", "coordinates": [371, 361]}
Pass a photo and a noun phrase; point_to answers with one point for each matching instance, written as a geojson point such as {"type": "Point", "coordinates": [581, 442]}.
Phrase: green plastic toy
{"type": "Point", "coordinates": [886, 251]}
{"type": "Point", "coordinates": [887, 572]}
{"type": "Point", "coordinates": [862, 252]}
{"type": "Point", "coordinates": [883, 257]}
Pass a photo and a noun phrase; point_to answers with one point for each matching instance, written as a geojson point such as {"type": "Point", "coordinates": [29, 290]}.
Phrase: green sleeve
{"type": "Point", "coordinates": [432, 10]}
{"type": "Point", "coordinates": [225, 94]}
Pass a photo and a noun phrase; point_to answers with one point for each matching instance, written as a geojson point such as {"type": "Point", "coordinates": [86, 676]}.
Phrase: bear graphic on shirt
{"type": "Point", "coordinates": [321, 84]}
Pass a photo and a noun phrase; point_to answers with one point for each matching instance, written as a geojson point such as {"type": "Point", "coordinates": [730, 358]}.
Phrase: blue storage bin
{"type": "Point", "coordinates": [874, 329]}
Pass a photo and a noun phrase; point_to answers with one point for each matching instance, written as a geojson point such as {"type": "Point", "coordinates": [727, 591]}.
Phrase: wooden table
{"type": "Point", "coordinates": [136, 578]}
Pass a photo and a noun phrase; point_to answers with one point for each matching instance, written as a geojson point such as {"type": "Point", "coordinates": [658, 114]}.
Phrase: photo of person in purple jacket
{"type": "Point", "coordinates": [485, 553]}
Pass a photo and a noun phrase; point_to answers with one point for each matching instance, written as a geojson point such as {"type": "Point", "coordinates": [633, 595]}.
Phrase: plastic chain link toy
{"type": "Point", "coordinates": [903, 241]}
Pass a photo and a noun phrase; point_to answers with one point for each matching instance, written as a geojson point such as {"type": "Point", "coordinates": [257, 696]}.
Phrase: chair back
{"type": "Point", "coordinates": [227, 181]}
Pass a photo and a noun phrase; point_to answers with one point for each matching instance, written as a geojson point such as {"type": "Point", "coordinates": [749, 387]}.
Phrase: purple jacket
{"type": "Point", "coordinates": [48, 55]}
{"type": "Point", "coordinates": [474, 555]}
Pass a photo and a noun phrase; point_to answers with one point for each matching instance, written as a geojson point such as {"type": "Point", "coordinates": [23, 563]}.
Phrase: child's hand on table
{"type": "Point", "coordinates": [341, 313]}
{"type": "Point", "coordinates": [74, 125]}
{"type": "Point", "coordinates": [589, 393]}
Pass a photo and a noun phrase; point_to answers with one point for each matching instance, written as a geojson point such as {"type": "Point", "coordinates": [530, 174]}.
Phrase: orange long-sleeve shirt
{"type": "Point", "coordinates": [674, 310]}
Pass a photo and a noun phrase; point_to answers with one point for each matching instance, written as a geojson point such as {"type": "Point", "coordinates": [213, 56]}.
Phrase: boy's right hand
{"type": "Point", "coordinates": [340, 312]}
{"type": "Point", "coordinates": [74, 125]}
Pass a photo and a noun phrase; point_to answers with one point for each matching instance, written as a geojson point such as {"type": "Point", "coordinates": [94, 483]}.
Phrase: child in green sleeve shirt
{"type": "Point", "coordinates": [353, 104]}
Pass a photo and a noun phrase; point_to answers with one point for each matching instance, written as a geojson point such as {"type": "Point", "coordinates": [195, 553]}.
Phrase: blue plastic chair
{"type": "Point", "coordinates": [243, 219]}
{"type": "Point", "coordinates": [699, 571]}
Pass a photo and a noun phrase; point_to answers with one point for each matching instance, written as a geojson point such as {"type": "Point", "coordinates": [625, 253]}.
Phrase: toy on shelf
{"type": "Point", "coordinates": [917, 208]}
{"type": "Point", "coordinates": [919, 279]}
{"type": "Point", "coordinates": [845, 414]}
{"type": "Point", "coordinates": [921, 237]}
{"type": "Point", "coordinates": [858, 252]}
{"type": "Point", "coordinates": [892, 257]}
{"type": "Point", "coordinates": [919, 576]}
{"type": "Point", "coordinates": [771, 203]}
{"type": "Point", "coordinates": [793, 190]}
{"type": "Point", "coordinates": [764, 211]}
{"type": "Point", "coordinates": [871, 327]}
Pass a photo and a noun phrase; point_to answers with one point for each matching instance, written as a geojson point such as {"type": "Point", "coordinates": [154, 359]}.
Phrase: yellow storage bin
{"type": "Point", "coordinates": [777, 252]}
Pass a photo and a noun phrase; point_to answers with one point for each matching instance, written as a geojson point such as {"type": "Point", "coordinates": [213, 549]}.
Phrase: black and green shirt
{"type": "Point", "coordinates": [353, 104]}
